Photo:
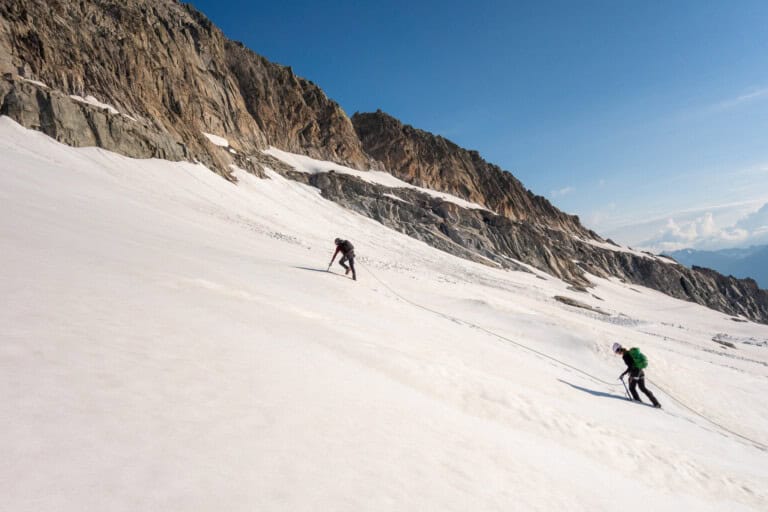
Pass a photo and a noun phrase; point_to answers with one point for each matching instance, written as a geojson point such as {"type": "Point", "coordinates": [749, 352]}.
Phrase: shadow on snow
{"type": "Point", "coordinates": [593, 392]}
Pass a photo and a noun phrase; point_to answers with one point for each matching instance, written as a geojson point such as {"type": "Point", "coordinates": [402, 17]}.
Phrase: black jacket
{"type": "Point", "coordinates": [346, 248]}
{"type": "Point", "coordinates": [631, 368]}
{"type": "Point", "coordinates": [629, 361]}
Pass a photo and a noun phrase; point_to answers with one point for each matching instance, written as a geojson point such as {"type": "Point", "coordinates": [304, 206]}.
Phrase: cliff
{"type": "Point", "coordinates": [166, 66]}
{"type": "Point", "coordinates": [430, 161]}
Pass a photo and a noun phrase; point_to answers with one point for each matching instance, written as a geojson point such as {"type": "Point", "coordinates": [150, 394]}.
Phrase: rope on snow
{"type": "Point", "coordinates": [756, 444]}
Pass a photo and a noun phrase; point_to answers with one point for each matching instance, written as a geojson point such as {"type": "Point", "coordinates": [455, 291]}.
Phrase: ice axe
{"type": "Point", "coordinates": [621, 378]}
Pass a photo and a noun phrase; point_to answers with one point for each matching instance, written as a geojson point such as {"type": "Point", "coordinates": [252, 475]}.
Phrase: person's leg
{"type": "Point", "coordinates": [641, 384]}
{"type": "Point", "coordinates": [633, 378]}
{"type": "Point", "coordinates": [352, 266]}
{"type": "Point", "coordinates": [341, 262]}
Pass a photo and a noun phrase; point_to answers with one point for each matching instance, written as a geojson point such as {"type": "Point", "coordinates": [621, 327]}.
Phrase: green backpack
{"type": "Point", "coordinates": [640, 360]}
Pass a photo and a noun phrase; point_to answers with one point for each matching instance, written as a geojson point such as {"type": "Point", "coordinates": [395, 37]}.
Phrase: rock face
{"type": "Point", "coordinates": [430, 161]}
{"type": "Point", "coordinates": [165, 64]}
{"type": "Point", "coordinates": [529, 228]}
{"type": "Point", "coordinates": [485, 237]}
{"type": "Point", "coordinates": [292, 112]}
{"type": "Point", "coordinates": [172, 76]}
{"type": "Point", "coordinates": [703, 286]}
{"type": "Point", "coordinates": [738, 262]}
{"type": "Point", "coordinates": [79, 124]}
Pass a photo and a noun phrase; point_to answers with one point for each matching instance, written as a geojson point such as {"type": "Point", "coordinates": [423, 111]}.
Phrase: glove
{"type": "Point", "coordinates": [621, 377]}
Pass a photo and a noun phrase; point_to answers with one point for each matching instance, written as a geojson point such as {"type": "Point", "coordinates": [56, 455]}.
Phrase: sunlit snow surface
{"type": "Point", "coordinates": [217, 140]}
{"type": "Point", "coordinates": [171, 341]}
{"type": "Point", "coordinates": [619, 248]}
{"type": "Point", "coordinates": [91, 100]}
{"type": "Point", "coordinates": [309, 165]}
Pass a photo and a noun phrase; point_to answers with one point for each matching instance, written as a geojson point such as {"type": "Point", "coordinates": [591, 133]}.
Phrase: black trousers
{"type": "Point", "coordinates": [351, 260]}
{"type": "Point", "coordinates": [637, 380]}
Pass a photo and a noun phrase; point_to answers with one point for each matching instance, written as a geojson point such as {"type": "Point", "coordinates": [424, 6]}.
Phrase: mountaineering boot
{"type": "Point", "coordinates": [346, 272]}
{"type": "Point", "coordinates": [651, 397]}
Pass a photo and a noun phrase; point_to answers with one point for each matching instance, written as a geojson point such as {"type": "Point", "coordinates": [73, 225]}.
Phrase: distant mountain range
{"type": "Point", "coordinates": [745, 262]}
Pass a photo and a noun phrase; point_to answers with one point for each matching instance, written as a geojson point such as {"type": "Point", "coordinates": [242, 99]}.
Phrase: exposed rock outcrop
{"type": "Point", "coordinates": [80, 124]}
{"type": "Point", "coordinates": [485, 237]}
{"type": "Point", "coordinates": [292, 112]}
{"type": "Point", "coordinates": [168, 66]}
{"type": "Point", "coordinates": [703, 286]}
{"type": "Point", "coordinates": [428, 160]}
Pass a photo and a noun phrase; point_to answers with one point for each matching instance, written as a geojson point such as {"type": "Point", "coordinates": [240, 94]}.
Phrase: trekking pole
{"type": "Point", "coordinates": [625, 387]}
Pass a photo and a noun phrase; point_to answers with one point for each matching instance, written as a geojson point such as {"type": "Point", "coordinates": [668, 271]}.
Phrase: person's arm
{"type": "Point", "coordinates": [629, 362]}
{"type": "Point", "coordinates": [334, 256]}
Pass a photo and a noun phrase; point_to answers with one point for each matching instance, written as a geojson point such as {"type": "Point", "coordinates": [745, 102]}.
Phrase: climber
{"type": "Point", "coordinates": [347, 251]}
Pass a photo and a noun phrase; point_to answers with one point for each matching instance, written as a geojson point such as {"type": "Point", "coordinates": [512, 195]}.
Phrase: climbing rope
{"type": "Point", "coordinates": [756, 444]}
{"type": "Point", "coordinates": [488, 331]}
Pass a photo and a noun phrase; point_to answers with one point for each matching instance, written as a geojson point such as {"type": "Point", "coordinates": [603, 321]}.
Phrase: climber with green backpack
{"type": "Point", "coordinates": [636, 363]}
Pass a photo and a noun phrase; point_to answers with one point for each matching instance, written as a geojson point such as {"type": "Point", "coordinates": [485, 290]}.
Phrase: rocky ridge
{"type": "Point", "coordinates": [167, 66]}
{"type": "Point", "coordinates": [486, 237]}
{"type": "Point", "coordinates": [172, 76]}
{"type": "Point", "coordinates": [430, 161]}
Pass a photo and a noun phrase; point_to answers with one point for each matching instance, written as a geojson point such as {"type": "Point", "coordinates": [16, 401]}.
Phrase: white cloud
{"type": "Point", "coordinates": [703, 232]}
{"type": "Point", "coordinates": [753, 95]}
{"type": "Point", "coordinates": [643, 228]}
{"type": "Point", "coordinates": [561, 192]}
{"type": "Point", "coordinates": [755, 222]}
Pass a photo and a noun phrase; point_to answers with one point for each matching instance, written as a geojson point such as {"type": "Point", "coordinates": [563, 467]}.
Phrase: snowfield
{"type": "Point", "coordinates": [171, 341]}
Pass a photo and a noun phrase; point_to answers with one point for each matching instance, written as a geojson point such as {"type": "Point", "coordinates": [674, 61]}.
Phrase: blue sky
{"type": "Point", "coordinates": [647, 119]}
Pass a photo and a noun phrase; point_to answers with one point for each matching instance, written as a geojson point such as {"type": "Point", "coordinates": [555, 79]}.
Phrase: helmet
{"type": "Point", "coordinates": [338, 241]}
{"type": "Point", "coordinates": [616, 348]}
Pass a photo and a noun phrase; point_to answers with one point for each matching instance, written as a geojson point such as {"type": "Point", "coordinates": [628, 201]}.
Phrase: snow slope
{"type": "Point", "coordinates": [302, 163]}
{"type": "Point", "coordinates": [217, 140]}
{"type": "Point", "coordinates": [95, 102]}
{"type": "Point", "coordinates": [171, 341]}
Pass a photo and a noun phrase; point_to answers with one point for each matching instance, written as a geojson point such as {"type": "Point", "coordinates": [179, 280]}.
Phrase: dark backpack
{"type": "Point", "coordinates": [638, 357]}
{"type": "Point", "coordinates": [346, 247]}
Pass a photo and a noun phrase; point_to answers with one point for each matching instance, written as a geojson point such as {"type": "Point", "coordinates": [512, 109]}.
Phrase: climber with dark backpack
{"type": "Point", "coordinates": [636, 363]}
{"type": "Point", "coordinates": [347, 251]}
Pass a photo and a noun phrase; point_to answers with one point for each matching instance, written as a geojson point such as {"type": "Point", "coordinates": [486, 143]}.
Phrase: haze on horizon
{"type": "Point", "coordinates": [647, 120]}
